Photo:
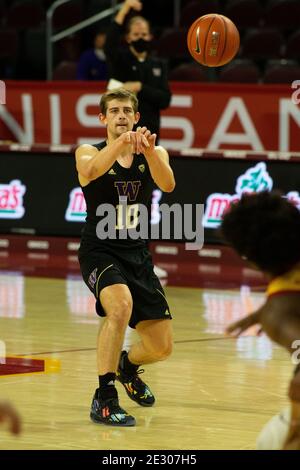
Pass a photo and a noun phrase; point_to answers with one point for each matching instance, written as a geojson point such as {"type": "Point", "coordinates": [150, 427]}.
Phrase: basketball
{"type": "Point", "coordinates": [213, 40]}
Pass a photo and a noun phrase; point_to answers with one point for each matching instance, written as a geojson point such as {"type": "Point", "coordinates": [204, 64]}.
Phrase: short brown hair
{"type": "Point", "coordinates": [119, 94]}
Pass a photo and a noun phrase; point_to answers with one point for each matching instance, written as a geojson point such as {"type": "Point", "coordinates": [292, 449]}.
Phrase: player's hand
{"type": "Point", "coordinates": [137, 140]}
{"type": "Point", "coordinates": [151, 138]}
{"type": "Point", "coordinates": [8, 413]}
{"type": "Point", "coordinates": [236, 328]}
{"type": "Point", "coordinates": [132, 4]}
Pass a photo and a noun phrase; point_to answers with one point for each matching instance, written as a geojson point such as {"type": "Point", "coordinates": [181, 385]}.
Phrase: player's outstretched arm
{"type": "Point", "coordinates": [237, 328]}
{"type": "Point", "coordinates": [92, 163]}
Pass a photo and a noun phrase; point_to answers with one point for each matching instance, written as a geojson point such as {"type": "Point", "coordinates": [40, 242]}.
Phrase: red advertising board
{"type": "Point", "coordinates": [212, 116]}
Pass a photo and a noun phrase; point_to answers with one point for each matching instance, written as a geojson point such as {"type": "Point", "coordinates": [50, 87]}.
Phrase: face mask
{"type": "Point", "coordinates": [141, 45]}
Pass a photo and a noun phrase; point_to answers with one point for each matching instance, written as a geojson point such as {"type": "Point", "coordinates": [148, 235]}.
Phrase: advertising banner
{"type": "Point", "coordinates": [212, 116]}
{"type": "Point", "coordinates": [40, 193]}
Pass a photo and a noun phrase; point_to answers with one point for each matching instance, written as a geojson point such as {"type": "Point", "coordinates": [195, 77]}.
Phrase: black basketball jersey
{"type": "Point", "coordinates": [135, 183]}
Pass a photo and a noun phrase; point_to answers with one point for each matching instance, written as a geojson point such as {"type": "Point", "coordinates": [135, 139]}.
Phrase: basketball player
{"type": "Point", "coordinates": [264, 228]}
{"type": "Point", "coordinates": [119, 272]}
{"type": "Point", "coordinates": [8, 413]}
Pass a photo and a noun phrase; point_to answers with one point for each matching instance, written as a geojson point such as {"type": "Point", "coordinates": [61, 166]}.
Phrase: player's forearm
{"type": "Point", "coordinates": [104, 159]}
{"type": "Point", "coordinates": [161, 172]}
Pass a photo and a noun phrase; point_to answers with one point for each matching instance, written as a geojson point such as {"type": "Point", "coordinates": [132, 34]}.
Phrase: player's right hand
{"type": "Point", "coordinates": [8, 413]}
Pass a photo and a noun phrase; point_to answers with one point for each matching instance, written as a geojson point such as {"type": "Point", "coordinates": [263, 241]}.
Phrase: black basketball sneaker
{"type": "Point", "coordinates": [108, 411]}
{"type": "Point", "coordinates": [135, 388]}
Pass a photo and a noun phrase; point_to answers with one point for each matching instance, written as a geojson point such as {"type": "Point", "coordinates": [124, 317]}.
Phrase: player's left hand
{"type": "Point", "coordinates": [151, 138]}
{"type": "Point", "coordinates": [236, 328]}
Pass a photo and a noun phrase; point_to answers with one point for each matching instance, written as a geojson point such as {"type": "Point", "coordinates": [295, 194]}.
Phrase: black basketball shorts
{"type": "Point", "coordinates": [132, 267]}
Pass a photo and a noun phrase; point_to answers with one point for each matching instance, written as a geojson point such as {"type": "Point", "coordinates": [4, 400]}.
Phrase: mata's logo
{"type": "Point", "coordinates": [11, 200]}
{"type": "Point", "coordinates": [254, 180]}
{"type": "Point", "coordinates": [76, 210]}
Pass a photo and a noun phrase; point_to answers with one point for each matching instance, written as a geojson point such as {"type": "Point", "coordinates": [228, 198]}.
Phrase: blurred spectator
{"type": "Point", "coordinates": [92, 62]}
{"type": "Point", "coordinates": [134, 68]}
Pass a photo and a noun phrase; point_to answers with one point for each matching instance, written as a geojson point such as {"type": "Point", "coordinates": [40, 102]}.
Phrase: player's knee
{"type": "Point", "coordinates": [163, 351]}
{"type": "Point", "coordinates": [167, 351]}
{"type": "Point", "coordinates": [121, 312]}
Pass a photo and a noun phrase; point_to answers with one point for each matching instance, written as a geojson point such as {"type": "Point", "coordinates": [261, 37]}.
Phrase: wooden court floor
{"type": "Point", "coordinates": [214, 392]}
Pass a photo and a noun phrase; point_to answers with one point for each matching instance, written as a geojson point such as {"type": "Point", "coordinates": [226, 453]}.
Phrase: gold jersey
{"type": "Point", "coordinates": [287, 282]}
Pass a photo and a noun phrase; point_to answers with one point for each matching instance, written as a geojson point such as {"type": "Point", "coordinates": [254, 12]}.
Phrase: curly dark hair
{"type": "Point", "coordinates": [265, 229]}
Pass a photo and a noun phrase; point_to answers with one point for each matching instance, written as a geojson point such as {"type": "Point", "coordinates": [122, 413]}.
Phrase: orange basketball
{"type": "Point", "coordinates": [213, 40]}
